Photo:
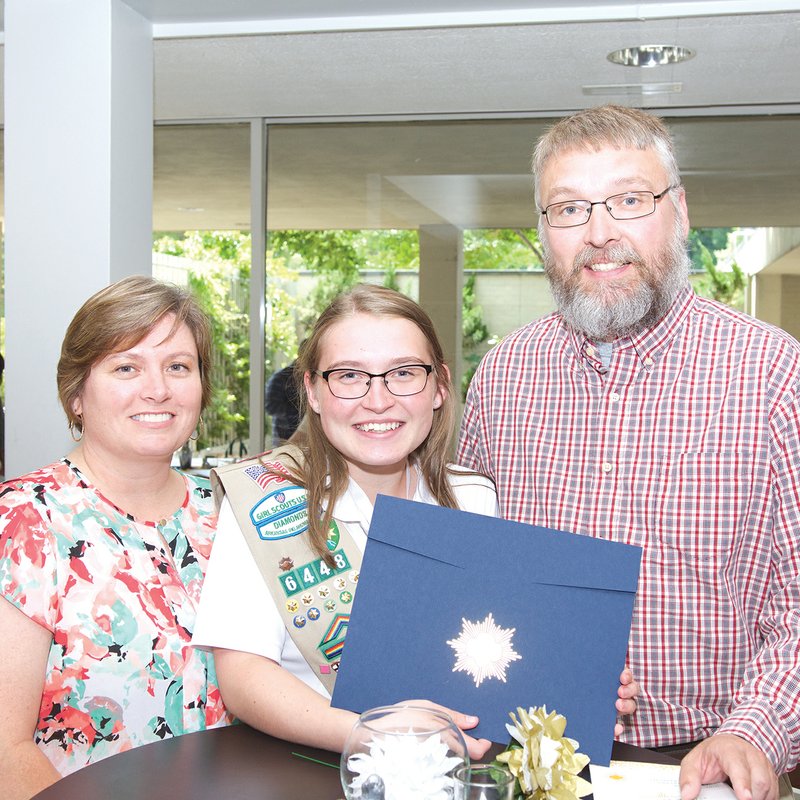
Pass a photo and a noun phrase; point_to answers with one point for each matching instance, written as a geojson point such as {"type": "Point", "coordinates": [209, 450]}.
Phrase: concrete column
{"type": "Point", "coordinates": [78, 190]}
{"type": "Point", "coordinates": [441, 281]}
{"type": "Point", "coordinates": [777, 298]}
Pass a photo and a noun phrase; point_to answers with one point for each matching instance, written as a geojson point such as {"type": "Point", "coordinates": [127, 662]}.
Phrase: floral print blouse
{"type": "Point", "coordinates": [120, 597]}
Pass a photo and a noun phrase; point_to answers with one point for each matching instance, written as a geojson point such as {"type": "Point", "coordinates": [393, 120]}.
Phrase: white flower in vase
{"type": "Point", "coordinates": [410, 768]}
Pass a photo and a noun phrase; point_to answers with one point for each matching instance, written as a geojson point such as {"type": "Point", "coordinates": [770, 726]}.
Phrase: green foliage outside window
{"type": "Point", "coordinates": [225, 418]}
{"type": "Point", "coordinates": [703, 242]}
{"type": "Point", "coordinates": [221, 282]}
{"type": "Point", "coordinates": [338, 258]}
{"type": "Point", "coordinates": [475, 333]}
{"type": "Point", "coordinates": [706, 247]}
{"type": "Point", "coordinates": [502, 248]}
{"type": "Point", "coordinates": [726, 287]}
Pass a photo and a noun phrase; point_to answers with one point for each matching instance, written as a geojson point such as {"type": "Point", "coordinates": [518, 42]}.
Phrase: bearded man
{"type": "Point", "coordinates": [642, 413]}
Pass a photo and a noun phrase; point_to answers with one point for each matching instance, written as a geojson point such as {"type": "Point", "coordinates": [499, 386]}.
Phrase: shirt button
{"type": "Point", "coordinates": [607, 467]}
{"type": "Point", "coordinates": [614, 397]}
{"type": "Point", "coordinates": [648, 362]}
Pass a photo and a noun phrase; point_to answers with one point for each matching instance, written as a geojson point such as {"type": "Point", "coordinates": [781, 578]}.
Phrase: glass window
{"type": "Point", "coordinates": [201, 209]}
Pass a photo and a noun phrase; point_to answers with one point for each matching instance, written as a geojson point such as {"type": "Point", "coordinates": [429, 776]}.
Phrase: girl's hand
{"type": "Point", "coordinates": [475, 747]}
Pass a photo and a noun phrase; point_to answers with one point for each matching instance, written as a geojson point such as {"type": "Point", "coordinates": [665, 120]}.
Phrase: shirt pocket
{"type": "Point", "coordinates": [707, 504]}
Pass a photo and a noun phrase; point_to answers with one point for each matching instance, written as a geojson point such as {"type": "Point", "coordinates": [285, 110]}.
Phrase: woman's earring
{"type": "Point", "coordinates": [79, 426]}
{"type": "Point", "coordinates": [197, 430]}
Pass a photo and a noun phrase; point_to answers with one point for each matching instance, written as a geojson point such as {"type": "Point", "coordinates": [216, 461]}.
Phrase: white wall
{"type": "Point", "coordinates": [78, 189]}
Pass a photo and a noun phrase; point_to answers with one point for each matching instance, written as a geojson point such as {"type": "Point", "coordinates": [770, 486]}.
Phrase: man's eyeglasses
{"type": "Point", "coordinates": [350, 384]}
{"type": "Point", "coordinates": [628, 205]}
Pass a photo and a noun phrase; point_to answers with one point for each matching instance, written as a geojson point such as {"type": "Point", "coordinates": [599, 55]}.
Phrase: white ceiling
{"type": "Point", "coordinates": [734, 108]}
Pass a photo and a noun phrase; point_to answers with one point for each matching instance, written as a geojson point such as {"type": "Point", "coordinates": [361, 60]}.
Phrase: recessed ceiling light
{"type": "Point", "coordinates": [650, 55]}
{"type": "Point", "coordinates": [190, 209]}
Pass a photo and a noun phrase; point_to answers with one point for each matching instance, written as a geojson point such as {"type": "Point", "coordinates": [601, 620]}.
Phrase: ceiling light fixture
{"type": "Point", "coordinates": [650, 55]}
{"type": "Point", "coordinates": [632, 88]}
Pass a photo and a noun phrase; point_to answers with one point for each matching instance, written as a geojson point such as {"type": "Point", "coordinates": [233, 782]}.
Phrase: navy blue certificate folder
{"type": "Point", "coordinates": [484, 615]}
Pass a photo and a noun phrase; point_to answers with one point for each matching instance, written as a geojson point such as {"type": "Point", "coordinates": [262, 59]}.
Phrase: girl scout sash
{"type": "Point", "coordinates": [313, 598]}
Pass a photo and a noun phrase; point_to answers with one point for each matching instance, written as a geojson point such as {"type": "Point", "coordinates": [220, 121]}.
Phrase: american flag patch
{"type": "Point", "coordinates": [264, 475]}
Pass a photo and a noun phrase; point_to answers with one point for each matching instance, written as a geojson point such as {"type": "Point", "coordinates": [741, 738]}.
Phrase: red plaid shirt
{"type": "Point", "coordinates": [689, 446]}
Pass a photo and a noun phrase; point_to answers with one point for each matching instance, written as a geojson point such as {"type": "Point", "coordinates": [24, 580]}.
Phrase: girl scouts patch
{"type": "Point", "coordinates": [281, 513]}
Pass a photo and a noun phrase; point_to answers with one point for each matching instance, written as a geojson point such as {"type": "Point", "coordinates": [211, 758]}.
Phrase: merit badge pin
{"type": "Point", "coordinates": [332, 541]}
{"type": "Point", "coordinates": [330, 605]}
{"type": "Point", "coordinates": [346, 597]}
{"type": "Point", "coordinates": [353, 576]}
{"type": "Point", "coordinates": [307, 599]}
{"type": "Point", "coordinates": [286, 564]}
{"type": "Point", "coordinates": [281, 513]}
{"type": "Point", "coordinates": [340, 583]}
{"type": "Point", "coordinates": [292, 606]}
{"type": "Point", "coordinates": [323, 591]}
{"type": "Point", "coordinates": [299, 621]}
{"type": "Point", "coordinates": [313, 613]}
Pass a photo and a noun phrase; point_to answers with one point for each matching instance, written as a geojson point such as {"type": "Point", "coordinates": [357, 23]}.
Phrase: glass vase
{"type": "Point", "coordinates": [402, 752]}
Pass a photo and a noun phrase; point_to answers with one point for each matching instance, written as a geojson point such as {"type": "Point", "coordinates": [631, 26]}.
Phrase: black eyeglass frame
{"type": "Point", "coordinates": [370, 375]}
{"type": "Point", "coordinates": [656, 198]}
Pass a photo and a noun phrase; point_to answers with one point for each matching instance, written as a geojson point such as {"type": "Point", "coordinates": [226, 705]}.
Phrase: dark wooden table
{"type": "Point", "coordinates": [236, 763]}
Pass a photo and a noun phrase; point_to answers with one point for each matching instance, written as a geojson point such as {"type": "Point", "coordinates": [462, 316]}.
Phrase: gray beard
{"type": "Point", "coordinates": [619, 311]}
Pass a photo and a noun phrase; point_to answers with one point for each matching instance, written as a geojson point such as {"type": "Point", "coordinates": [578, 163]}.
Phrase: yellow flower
{"type": "Point", "coordinates": [544, 761]}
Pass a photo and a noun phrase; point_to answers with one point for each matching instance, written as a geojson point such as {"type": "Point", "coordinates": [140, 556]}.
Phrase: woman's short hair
{"type": "Point", "coordinates": [115, 319]}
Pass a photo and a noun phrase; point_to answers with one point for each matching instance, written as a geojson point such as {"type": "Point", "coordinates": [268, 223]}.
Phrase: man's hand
{"type": "Point", "coordinates": [726, 756]}
{"type": "Point", "coordinates": [626, 698]}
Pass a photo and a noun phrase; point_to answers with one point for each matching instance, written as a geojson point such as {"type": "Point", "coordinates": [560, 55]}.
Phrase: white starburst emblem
{"type": "Point", "coordinates": [484, 650]}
